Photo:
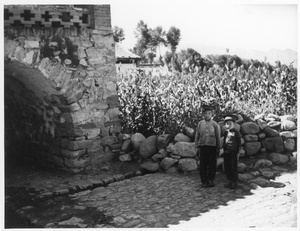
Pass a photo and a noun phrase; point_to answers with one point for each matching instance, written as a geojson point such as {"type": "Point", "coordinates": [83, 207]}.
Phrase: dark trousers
{"type": "Point", "coordinates": [208, 163]}
{"type": "Point", "coordinates": [230, 165]}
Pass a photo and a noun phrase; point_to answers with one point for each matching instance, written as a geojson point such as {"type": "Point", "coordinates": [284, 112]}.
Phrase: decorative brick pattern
{"type": "Point", "coordinates": [41, 16]}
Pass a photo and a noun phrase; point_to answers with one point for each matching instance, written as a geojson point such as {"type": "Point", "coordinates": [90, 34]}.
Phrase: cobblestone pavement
{"type": "Point", "coordinates": [152, 200]}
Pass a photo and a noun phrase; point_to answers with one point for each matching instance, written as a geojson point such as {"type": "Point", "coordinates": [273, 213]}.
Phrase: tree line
{"type": "Point", "coordinates": [151, 40]}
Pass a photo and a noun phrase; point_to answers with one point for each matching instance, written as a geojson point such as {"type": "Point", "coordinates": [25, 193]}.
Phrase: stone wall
{"type": "Point", "coordinates": [61, 103]}
{"type": "Point", "coordinates": [268, 137]}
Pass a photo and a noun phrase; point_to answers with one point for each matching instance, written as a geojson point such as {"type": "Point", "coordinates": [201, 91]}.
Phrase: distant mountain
{"type": "Point", "coordinates": [285, 56]}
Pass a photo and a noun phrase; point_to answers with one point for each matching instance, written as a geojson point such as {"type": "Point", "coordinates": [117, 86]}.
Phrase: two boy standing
{"type": "Point", "coordinates": [208, 144]}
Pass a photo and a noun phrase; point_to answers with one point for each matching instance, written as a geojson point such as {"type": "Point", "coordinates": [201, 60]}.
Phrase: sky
{"type": "Point", "coordinates": [230, 24]}
{"type": "Point", "coordinates": [245, 24]}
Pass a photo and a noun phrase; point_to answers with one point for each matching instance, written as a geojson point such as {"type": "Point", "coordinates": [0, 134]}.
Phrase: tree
{"type": "Point", "coordinates": [158, 38]}
{"type": "Point", "coordinates": [143, 36]}
{"type": "Point", "coordinates": [173, 38]}
{"type": "Point", "coordinates": [118, 34]}
{"type": "Point", "coordinates": [173, 62]}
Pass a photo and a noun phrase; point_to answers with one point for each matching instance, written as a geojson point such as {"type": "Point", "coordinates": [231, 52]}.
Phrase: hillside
{"type": "Point", "coordinates": [285, 56]}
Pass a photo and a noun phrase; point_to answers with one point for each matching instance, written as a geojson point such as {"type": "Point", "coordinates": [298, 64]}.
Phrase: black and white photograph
{"type": "Point", "coordinates": [149, 114]}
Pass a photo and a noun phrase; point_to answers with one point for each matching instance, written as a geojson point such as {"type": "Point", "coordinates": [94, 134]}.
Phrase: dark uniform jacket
{"type": "Point", "coordinates": [232, 141]}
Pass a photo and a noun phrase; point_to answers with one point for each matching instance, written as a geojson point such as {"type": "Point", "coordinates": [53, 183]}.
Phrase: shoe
{"type": "Point", "coordinates": [228, 184]}
{"type": "Point", "coordinates": [233, 186]}
{"type": "Point", "coordinates": [211, 184]}
{"type": "Point", "coordinates": [204, 185]}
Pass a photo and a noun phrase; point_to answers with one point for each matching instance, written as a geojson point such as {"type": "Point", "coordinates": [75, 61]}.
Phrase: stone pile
{"type": "Point", "coordinates": [273, 137]}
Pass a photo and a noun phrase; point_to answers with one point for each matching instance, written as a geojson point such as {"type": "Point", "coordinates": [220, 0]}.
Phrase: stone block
{"type": "Point", "coordinates": [262, 163]}
{"type": "Point", "coordinates": [86, 44]}
{"type": "Point", "coordinates": [77, 145]}
{"type": "Point", "coordinates": [31, 44]}
{"type": "Point", "coordinates": [73, 154]}
{"type": "Point", "coordinates": [79, 138]}
{"type": "Point", "coordinates": [163, 141]}
{"type": "Point", "coordinates": [29, 58]}
{"type": "Point", "coordinates": [180, 137]}
{"type": "Point", "coordinates": [93, 52]}
{"type": "Point", "coordinates": [9, 47]}
{"type": "Point", "coordinates": [175, 156]}
{"type": "Point", "coordinates": [288, 117]}
{"type": "Point", "coordinates": [148, 147]}
{"type": "Point", "coordinates": [251, 138]}
{"type": "Point", "coordinates": [262, 182]}
{"type": "Point", "coordinates": [105, 131]}
{"type": "Point", "coordinates": [240, 119]}
{"type": "Point", "coordinates": [242, 168]}
{"type": "Point", "coordinates": [289, 144]}
{"type": "Point", "coordinates": [127, 146]}
{"type": "Point", "coordinates": [136, 140]}
{"type": "Point", "coordinates": [288, 134]}
{"type": "Point", "coordinates": [88, 82]}
{"type": "Point", "coordinates": [92, 145]}
{"type": "Point", "coordinates": [288, 125]}
{"type": "Point", "coordinates": [116, 146]}
{"type": "Point", "coordinates": [261, 136]}
{"type": "Point", "coordinates": [92, 132]}
{"type": "Point", "coordinates": [262, 124]}
{"type": "Point", "coordinates": [19, 53]}
{"type": "Point", "coordinates": [169, 148]}
{"type": "Point", "coordinates": [274, 144]}
{"type": "Point", "coordinates": [125, 158]}
{"type": "Point", "coordinates": [162, 154]}
{"type": "Point", "coordinates": [150, 166]}
{"type": "Point", "coordinates": [278, 158]}
{"type": "Point", "coordinates": [274, 124]}
{"type": "Point", "coordinates": [108, 140]}
{"type": "Point", "coordinates": [187, 164]}
{"type": "Point", "coordinates": [270, 132]}
{"type": "Point", "coordinates": [97, 61]}
{"type": "Point", "coordinates": [249, 128]}
{"type": "Point", "coordinates": [111, 86]}
{"type": "Point", "coordinates": [83, 62]}
{"type": "Point", "coordinates": [252, 148]}
{"type": "Point", "coordinates": [81, 117]}
{"type": "Point", "coordinates": [245, 177]}
{"type": "Point", "coordinates": [184, 149]}
{"type": "Point", "coordinates": [113, 113]}
{"type": "Point", "coordinates": [113, 100]}
{"type": "Point", "coordinates": [81, 53]}
{"type": "Point", "coordinates": [167, 163]}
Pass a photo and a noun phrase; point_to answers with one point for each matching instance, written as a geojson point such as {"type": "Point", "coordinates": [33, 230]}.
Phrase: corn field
{"type": "Point", "coordinates": [156, 104]}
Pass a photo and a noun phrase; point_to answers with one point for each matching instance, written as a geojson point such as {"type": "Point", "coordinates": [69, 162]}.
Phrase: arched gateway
{"type": "Point", "coordinates": [61, 103]}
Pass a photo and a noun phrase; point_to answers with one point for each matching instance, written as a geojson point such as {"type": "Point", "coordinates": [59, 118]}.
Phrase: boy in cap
{"type": "Point", "coordinates": [231, 146]}
{"type": "Point", "coordinates": [207, 142]}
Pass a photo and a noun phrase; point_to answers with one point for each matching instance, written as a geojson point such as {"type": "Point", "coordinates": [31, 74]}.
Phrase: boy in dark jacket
{"type": "Point", "coordinates": [231, 146]}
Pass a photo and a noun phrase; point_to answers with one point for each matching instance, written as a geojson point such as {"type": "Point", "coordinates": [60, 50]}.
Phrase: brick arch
{"type": "Point", "coordinates": [61, 104]}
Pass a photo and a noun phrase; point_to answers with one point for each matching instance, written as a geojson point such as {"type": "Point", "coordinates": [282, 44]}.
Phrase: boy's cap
{"type": "Point", "coordinates": [230, 117]}
{"type": "Point", "coordinates": [207, 108]}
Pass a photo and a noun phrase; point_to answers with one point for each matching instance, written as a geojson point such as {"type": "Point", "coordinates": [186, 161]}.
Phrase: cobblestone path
{"type": "Point", "coordinates": [170, 200]}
